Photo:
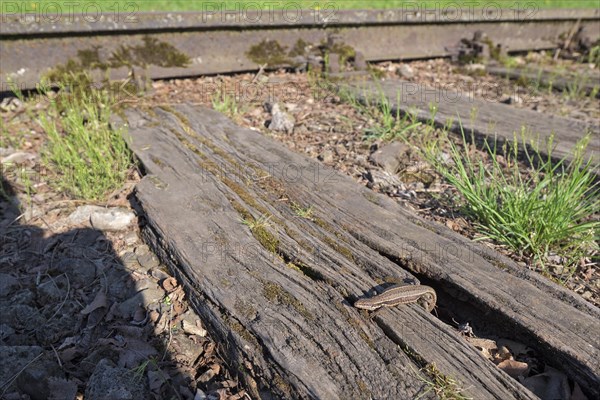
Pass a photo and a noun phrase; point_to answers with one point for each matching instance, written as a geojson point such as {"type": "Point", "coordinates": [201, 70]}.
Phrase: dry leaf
{"type": "Point", "coordinates": [178, 307]}
{"type": "Point", "coordinates": [170, 284]}
{"type": "Point", "coordinates": [450, 224]}
{"type": "Point", "coordinates": [514, 368]}
{"type": "Point", "coordinates": [504, 354]}
{"type": "Point", "coordinates": [482, 343]}
{"type": "Point", "coordinates": [99, 301]}
{"type": "Point", "coordinates": [154, 315]}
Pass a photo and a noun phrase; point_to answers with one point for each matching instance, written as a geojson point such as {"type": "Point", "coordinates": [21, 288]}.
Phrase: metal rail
{"type": "Point", "coordinates": [217, 41]}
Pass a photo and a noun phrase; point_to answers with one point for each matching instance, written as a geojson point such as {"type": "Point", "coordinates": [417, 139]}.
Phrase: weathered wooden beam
{"type": "Point", "coordinates": [280, 295]}
{"type": "Point", "coordinates": [584, 83]}
{"type": "Point", "coordinates": [485, 118]}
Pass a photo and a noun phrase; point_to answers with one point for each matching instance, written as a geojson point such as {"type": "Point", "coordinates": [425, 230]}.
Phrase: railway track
{"type": "Point", "coordinates": [167, 45]}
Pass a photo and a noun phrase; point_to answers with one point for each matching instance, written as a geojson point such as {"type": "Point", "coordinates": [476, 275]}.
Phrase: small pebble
{"type": "Point", "coordinates": [193, 329]}
{"type": "Point", "coordinates": [142, 249]}
{"type": "Point", "coordinates": [131, 238]}
{"type": "Point", "coordinates": [148, 260]}
{"type": "Point", "coordinates": [130, 260]}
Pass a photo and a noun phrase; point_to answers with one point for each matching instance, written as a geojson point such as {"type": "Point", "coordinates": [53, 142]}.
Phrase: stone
{"type": "Point", "coordinates": [326, 156]}
{"type": "Point", "coordinates": [141, 250]}
{"type": "Point", "coordinates": [112, 219]}
{"type": "Point", "coordinates": [81, 272]}
{"type": "Point", "coordinates": [475, 67]}
{"type": "Point", "coordinates": [34, 379]}
{"type": "Point", "coordinates": [148, 260]}
{"type": "Point", "coordinates": [131, 238]}
{"type": "Point", "coordinates": [200, 395]}
{"type": "Point", "coordinates": [10, 104]}
{"type": "Point", "coordinates": [148, 293]}
{"type": "Point", "coordinates": [390, 156]}
{"type": "Point", "coordinates": [59, 388]}
{"type": "Point", "coordinates": [109, 382]}
{"type": "Point", "coordinates": [405, 71]}
{"type": "Point", "coordinates": [82, 214]}
{"type": "Point", "coordinates": [8, 284]}
{"type": "Point", "coordinates": [5, 331]}
{"type": "Point", "coordinates": [129, 260]}
{"type": "Point", "coordinates": [5, 151]}
{"type": "Point", "coordinates": [14, 358]}
{"type": "Point", "coordinates": [281, 121]}
{"type": "Point", "coordinates": [158, 274]}
{"type": "Point", "coordinates": [334, 63]}
{"type": "Point", "coordinates": [19, 157]}
{"type": "Point", "coordinates": [186, 348]}
{"type": "Point", "coordinates": [106, 219]}
{"type": "Point", "coordinates": [192, 325]}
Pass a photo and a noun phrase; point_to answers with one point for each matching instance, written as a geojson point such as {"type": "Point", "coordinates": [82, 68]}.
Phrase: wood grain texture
{"type": "Point", "coordinates": [280, 298]}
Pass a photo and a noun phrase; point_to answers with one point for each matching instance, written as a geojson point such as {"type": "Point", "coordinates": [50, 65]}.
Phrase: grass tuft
{"type": "Point", "coordinates": [88, 157]}
{"type": "Point", "coordinates": [130, 9]}
{"type": "Point", "coordinates": [306, 212]}
{"type": "Point", "coordinates": [444, 387]}
{"type": "Point", "coordinates": [386, 124]}
{"type": "Point", "coordinates": [547, 210]}
{"type": "Point", "coordinates": [227, 104]}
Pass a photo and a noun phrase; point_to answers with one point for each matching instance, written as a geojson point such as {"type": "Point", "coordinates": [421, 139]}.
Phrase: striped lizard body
{"type": "Point", "coordinates": [396, 295]}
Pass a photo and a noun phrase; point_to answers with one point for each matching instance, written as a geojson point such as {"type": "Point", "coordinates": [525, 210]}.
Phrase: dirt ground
{"type": "Point", "coordinates": [86, 306]}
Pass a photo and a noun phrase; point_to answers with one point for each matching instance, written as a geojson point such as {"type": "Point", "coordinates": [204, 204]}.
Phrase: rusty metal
{"type": "Point", "coordinates": [217, 41]}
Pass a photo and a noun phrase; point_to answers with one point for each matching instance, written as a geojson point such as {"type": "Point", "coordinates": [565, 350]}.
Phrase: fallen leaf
{"type": "Point", "coordinates": [238, 396]}
{"type": "Point", "coordinates": [504, 354]}
{"type": "Point", "coordinates": [514, 368]}
{"type": "Point", "coordinates": [99, 301]}
{"type": "Point", "coordinates": [452, 225]}
{"type": "Point", "coordinates": [210, 373]}
{"type": "Point", "coordinates": [170, 284]}
{"type": "Point", "coordinates": [178, 308]}
{"type": "Point", "coordinates": [482, 343]}
{"type": "Point", "coordinates": [154, 316]}
{"type": "Point", "coordinates": [69, 354]}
